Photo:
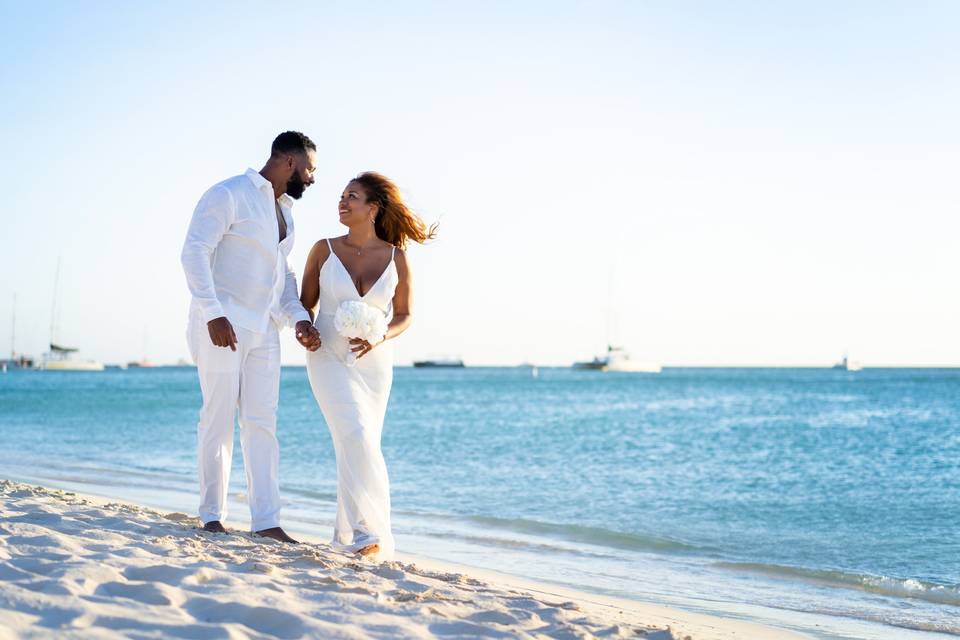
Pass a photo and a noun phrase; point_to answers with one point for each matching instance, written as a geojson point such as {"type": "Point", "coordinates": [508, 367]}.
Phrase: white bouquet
{"type": "Point", "coordinates": [357, 319]}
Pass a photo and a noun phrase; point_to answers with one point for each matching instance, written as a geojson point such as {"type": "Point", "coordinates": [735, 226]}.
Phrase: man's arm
{"type": "Point", "coordinates": [213, 216]}
{"type": "Point", "coordinates": [294, 313]}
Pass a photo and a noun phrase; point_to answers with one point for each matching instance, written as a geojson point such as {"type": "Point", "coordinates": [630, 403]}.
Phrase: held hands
{"type": "Point", "coordinates": [307, 335]}
{"type": "Point", "coordinates": [221, 333]}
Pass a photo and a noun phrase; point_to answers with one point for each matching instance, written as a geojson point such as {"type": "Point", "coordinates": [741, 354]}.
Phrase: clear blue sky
{"type": "Point", "coordinates": [754, 182]}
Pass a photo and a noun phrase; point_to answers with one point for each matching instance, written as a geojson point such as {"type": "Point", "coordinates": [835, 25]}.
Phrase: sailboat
{"type": "Point", "coordinates": [143, 362]}
{"type": "Point", "coordinates": [15, 361]}
{"type": "Point", "coordinates": [618, 359]}
{"type": "Point", "coordinates": [61, 358]}
{"type": "Point", "coordinates": [848, 364]}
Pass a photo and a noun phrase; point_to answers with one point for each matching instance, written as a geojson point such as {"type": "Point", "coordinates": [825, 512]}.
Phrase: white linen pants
{"type": "Point", "coordinates": [247, 379]}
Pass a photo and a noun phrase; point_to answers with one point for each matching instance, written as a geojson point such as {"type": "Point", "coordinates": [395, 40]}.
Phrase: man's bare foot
{"type": "Point", "coordinates": [276, 533]}
{"type": "Point", "coordinates": [214, 526]}
{"type": "Point", "coordinates": [369, 549]}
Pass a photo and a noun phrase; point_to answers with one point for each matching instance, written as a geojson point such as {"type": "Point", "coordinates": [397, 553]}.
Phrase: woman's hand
{"type": "Point", "coordinates": [307, 335]}
{"type": "Point", "coordinates": [360, 347]}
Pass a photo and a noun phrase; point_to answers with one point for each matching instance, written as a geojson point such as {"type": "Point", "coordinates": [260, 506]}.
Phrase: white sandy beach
{"type": "Point", "coordinates": [75, 566]}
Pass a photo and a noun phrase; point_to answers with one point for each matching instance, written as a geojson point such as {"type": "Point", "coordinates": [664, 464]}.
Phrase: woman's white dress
{"type": "Point", "coordinates": [353, 398]}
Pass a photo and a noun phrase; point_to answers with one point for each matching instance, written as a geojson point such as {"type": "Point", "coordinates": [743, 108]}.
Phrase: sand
{"type": "Point", "coordinates": [74, 566]}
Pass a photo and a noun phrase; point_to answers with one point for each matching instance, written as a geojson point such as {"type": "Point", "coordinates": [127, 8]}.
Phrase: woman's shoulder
{"type": "Point", "coordinates": [321, 248]}
{"type": "Point", "coordinates": [400, 261]}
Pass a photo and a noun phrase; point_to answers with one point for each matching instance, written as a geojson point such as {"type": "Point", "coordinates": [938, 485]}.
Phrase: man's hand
{"type": "Point", "coordinates": [221, 333]}
{"type": "Point", "coordinates": [307, 335]}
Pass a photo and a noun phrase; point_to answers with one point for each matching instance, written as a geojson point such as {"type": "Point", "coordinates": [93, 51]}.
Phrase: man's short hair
{"type": "Point", "coordinates": [291, 142]}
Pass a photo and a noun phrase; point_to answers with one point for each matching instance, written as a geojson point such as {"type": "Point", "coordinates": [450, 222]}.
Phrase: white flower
{"type": "Point", "coordinates": [357, 319]}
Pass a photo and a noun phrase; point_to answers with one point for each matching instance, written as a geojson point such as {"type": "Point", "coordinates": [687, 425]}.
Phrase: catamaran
{"type": "Point", "coordinates": [848, 365]}
{"type": "Point", "coordinates": [618, 359]}
{"type": "Point", "coordinates": [61, 358]}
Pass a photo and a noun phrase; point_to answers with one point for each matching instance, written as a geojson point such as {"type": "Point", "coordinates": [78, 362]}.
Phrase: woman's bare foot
{"type": "Point", "coordinates": [364, 543]}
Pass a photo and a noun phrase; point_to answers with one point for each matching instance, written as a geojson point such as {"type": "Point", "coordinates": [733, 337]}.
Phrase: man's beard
{"type": "Point", "coordinates": [295, 186]}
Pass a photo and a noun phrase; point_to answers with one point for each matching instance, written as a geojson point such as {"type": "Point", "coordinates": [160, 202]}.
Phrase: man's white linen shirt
{"type": "Point", "coordinates": [235, 263]}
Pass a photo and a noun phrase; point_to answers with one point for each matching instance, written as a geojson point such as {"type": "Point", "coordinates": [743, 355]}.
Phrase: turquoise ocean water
{"type": "Point", "coordinates": [823, 501]}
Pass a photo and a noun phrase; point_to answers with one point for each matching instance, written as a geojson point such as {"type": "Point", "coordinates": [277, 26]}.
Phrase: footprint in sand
{"type": "Point", "coordinates": [467, 630]}
{"type": "Point", "coordinates": [158, 573]}
{"type": "Point", "coordinates": [261, 619]}
{"type": "Point", "coordinates": [40, 566]}
{"type": "Point", "coordinates": [414, 586]}
{"type": "Point", "coordinates": [10, 573]}
{"type": "Point", "coordinates": [37, 517]}
{"type": "Point", "coordinates": [390, 573]}
{"type": "Point", "coordinates": [134, 552]}
{"type": "Point", "coordinates": [493, 617]}
{"type": "Point", "coordinates": [146, 592]}
{"type": "Point", "coordinates": [180, 517]}
{"type": "Point", "coordinates": [45, 542]}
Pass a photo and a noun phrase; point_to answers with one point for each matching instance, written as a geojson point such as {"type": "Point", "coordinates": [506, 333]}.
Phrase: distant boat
{"type": "Point", "coordinates": [596, 364]}
{"type": "Point", "coordinates": [61, 359]}
{"type": "Point", "coordinates": [17, 362]}
{"type": "Point", "coordinates": [848, 365]}
{"type": "Point", "coordinates": [144, 362]}
{"type": "Point", "coordinates": [618, 359]}
{"type": "Point", "coordinates": [439, 362]}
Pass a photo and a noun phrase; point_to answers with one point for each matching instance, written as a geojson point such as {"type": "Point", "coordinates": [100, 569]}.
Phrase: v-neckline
{"type": "Point", "coordinates": [353, 282]}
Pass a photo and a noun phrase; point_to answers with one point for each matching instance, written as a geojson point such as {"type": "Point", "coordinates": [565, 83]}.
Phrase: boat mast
{"type": "Point", "coordinates": [611, 313]}
{"type": "Point", "coordinates": [53, 309]}
{"type": "Point", "coordinates": [13, 330]}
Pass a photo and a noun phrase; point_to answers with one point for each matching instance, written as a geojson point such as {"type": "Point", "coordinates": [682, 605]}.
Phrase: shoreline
{"type": "Point", "coordinates": [417, 593]}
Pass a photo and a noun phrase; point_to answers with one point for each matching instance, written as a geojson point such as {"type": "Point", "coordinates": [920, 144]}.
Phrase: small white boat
{"type": "Point", "coordinates": [450, 363]}
{"type": "Point", "coordinates": [61, 359]}
{"type": "Point", "coordinates": [848, 365]}
{"type": "Point", "coordinates": [619, 360]}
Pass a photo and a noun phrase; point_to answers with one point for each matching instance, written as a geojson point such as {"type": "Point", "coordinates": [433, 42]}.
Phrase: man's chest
{"type": "Point", "coordinates": [260, 218]}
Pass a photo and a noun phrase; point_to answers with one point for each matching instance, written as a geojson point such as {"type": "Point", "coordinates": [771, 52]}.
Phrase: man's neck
{"type": "Point", "coordinates": [279, 186]}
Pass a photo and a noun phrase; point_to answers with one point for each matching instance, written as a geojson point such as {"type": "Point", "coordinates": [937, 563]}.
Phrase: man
{"type": "Point", "coordinates": [235, 260]}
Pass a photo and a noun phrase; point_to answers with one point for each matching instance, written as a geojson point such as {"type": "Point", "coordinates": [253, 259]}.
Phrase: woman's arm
{"type": "Point", "coordinates": [310, 283]}
{"type": "Point", "coordinates": [402, 303]}
{"type": "Point", "coordinates": [402, 298]}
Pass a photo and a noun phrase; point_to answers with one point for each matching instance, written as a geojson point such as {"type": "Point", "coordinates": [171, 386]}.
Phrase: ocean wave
{"type": "Point", "coordinates": [579, 533]}
{"type": "Point", "coordinates": [948, 594]}
{"type": "Point", "coordinates": [310, 494]}
{"type": "Point", "coordinates": [511, 543]}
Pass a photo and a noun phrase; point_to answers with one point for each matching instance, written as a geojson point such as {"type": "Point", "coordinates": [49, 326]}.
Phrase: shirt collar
{"type": "Point", "coordinates": [263, 184]}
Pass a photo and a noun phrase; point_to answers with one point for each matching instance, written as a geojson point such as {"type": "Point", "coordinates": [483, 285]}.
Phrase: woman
{"type": "Point", "coordinates": [368, 264]}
